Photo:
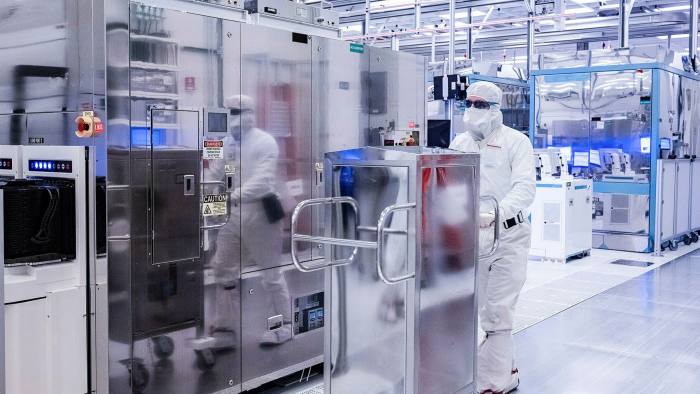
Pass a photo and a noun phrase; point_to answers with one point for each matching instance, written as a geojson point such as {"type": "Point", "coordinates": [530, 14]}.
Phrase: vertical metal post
{"type": "Point", "coordinates": [365, 27]}
{"type": "Point", "coordinates": [530, 37]}
{"type": "Point", "coordinates": [623, 31]}
{"type": "Point", "coordinates": [469, 33]}
{"type": "Point", "coordinates": [394, 43]}
{"type": "Point", "coordinates": [417, 14]}
{"type": "Point", "coordinates": [432, 48]}
{"type": "Point", "coordinates": [451, 55]}
{"type": "Point", "coordinates": [693, 32]}
{"type": "Point", "coordinates": [451, 66]}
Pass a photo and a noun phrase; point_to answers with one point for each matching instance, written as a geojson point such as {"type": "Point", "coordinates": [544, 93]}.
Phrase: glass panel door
{"type": "Point", "coordinates": [174, 197]}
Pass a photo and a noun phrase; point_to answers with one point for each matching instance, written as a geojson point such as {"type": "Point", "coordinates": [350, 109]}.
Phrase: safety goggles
{"type": "Point", "coordinates": [238, 111]}
{"type": "Point", "coordinates": [478, 104]}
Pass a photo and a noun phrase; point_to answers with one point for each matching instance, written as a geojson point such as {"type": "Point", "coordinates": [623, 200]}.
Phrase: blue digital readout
{"type": "Point", "coordinates": [51, 166]}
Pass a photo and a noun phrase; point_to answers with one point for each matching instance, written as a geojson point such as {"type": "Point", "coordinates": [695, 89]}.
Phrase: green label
{"type": "Point", "coordinates": [357, 48]}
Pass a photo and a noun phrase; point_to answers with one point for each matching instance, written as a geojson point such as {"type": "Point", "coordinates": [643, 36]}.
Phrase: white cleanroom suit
{"type": "Point", "coordinates": [250, 237]}
{"type": "Point", "coordinates": [507, 173]}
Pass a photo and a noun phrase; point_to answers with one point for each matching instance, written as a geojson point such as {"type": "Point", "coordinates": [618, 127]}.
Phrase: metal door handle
{"type": "Point", "coordinates": [381, 230]}
{"type": "Point", "coordinates": [188, 184]}
{"type": "Point", "coordinates": [325, 240]}
{"type": "Point", "coordinates": [497, 227]}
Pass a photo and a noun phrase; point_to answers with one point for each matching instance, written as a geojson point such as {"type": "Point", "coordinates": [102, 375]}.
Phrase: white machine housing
{"type": "Point", "coordinates": [10, 161]}
{"type": "Point", "coordinates": [45, 305]}
{"type": "Point", "coordinates": [561, 219]}
{"type": "Point", "coordinates": [619, 164]}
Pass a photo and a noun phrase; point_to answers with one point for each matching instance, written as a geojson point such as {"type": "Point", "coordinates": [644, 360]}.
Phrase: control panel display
{"type": "Point", "coordinates": [217, 122]}
{"type": "Point", "coordinates": [308, 313]}
{"type": "Point", "coordinates": [51, 166]}
{"type": "Point", "coordinates": [5, 164]}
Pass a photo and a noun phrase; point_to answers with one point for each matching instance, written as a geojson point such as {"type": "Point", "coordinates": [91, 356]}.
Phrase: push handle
{"type": "Point", "coordinates": [188, 185]}
{"type": "Point", "coordinates": [497, 227]}
{"type": "Point", "coordinates": [296, 238]}
{"type": "Point", "coordinates": [381, 231]}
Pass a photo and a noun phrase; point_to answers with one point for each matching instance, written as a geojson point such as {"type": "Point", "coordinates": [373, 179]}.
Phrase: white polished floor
{"type": "Point", "coordinates": [638, 337]}
{"type": "Point", "coordinates": [554, 287]}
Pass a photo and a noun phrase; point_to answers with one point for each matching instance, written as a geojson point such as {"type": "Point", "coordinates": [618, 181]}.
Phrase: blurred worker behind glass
{"type": "Point", "coordinates": [254, 228]}
{"type": "Point", "coordinates": [508, 174]}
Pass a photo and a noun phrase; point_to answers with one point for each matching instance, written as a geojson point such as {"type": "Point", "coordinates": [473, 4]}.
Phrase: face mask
{"type": "Point", "coordinates": [478, 122]}
{"type": "Point", "coordinates": [242, 123]}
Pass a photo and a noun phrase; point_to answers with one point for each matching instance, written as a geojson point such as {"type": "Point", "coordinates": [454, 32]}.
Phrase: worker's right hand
{"type": "Point", "coordinates": [486, 219]}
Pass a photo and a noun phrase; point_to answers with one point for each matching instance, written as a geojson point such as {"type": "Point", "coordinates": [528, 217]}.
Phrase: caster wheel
{"type": "Point", "coordinates": [206, 359]}
{"type": "Point", "coordinates": [694, 238]}
{"type": "Point", "coordinates": [687, 240]}
{"type": "Point", "coordinates": [673, 245]}
{"type": "Point", "coordinates": [163, 346]}
{"type": "Point", "coordinates": [139, 377]}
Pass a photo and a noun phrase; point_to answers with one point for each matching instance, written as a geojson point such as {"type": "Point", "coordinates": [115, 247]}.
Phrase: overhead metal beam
{"type": "Point", "coordinates": [359, 15]}
{"type": "Point", "coordinates": [515, 38]}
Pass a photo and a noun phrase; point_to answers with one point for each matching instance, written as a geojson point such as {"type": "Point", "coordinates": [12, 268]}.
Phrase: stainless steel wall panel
{"type": "Point", "coordinates": [119, 184]}
{"type": "Point", "coordinates": [276, 75]}
{"type": "Point", "coordinates": [271, 346]}
{"type": "Point", "coordinates": [13, 129]}
{"type": "Point", "coordinates": [396, 92]}
{"type": "Point", "coordinates": [340, 109]}
{"type": "Point", "coordinates": [51, 65]}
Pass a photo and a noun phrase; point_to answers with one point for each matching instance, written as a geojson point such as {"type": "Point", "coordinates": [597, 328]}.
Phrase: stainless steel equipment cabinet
{"type": "Point", "coordinates": [401, 230]}
{"type": "Point", "coordinates": [203, 293]}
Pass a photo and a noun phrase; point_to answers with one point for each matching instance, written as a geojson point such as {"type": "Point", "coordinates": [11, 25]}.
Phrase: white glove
{"type": "Point", "coordinates": [486, 219]}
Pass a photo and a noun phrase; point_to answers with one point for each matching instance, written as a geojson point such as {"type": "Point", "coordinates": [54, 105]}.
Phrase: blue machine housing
{"type": "Point", "coordinates": [624, 111]}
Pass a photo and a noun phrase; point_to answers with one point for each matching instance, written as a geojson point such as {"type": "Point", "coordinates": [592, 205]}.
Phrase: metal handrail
{"type": "Point", "coordinates": [324, 240]}
{"type": "Point", "coordinates": [386, 230]}
{"type": "Point", "coordinates": [497, 227]}
{"type": "Point", "coordinates": [381, 223]}
{"type": "Point", "coordinates": [228, 211]}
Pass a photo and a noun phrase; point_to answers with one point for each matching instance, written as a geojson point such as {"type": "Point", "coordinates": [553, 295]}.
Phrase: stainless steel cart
{"type": "Point", "coordinates": [410, 215]}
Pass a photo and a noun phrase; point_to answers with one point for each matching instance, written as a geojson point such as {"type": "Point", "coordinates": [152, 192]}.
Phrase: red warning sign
{"type": "Point", "coordinates": [214, 144]}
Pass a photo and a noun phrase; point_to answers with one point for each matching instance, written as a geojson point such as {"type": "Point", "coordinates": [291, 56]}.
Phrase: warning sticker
{"type": "Point", "coordinates": [230, 169]}
{"type": "Point", "coordinates": [213, 150]}
{"type": "Point", "coordinates": [215, 205]}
